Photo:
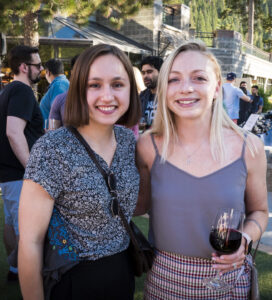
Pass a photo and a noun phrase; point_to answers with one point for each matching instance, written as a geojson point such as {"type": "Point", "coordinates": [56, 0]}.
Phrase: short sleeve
{"type": "Point", "coordinates": [22, 103]}
{"type": "Point", "coordinates": [261, 102]}
{"type": "Point", "coordinates": [56, 89]}
{"type": "Point", "coordinates": [239, 93]}
{"type": "Point", "coordinates": [45, 166]}
{"type": "Point", "coordinates": [55, 109]}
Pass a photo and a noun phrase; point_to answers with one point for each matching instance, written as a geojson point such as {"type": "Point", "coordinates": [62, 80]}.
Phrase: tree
{"type": "Point", "coordinates": [248, 11]}
{"type": "Point", "coordinates": [24, 14]}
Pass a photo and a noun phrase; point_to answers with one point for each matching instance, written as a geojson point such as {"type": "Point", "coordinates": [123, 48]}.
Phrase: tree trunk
{"type": "Point", "coordinates": [250, 35]}
{"type": "Point", "coordinates": [31, 35]}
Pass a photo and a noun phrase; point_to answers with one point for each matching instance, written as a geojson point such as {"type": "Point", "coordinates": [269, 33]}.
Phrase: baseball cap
{"type": "Point", "coordinates": [231, 76]}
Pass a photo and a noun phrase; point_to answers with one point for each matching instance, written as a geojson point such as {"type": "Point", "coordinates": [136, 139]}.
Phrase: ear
{"type": "Point", "coordinates": [23, 68]}
{"type": "Point", "coordinates": [217, 89]}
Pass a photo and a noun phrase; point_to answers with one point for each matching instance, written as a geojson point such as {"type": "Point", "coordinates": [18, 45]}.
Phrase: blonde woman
{"type": "Point", "coordinates": [192, 162]}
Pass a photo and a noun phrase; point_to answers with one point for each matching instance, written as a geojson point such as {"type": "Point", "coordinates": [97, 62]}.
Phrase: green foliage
{"type": "Point", "coordinates": [80, 10]}
{"type": "Point", "coordinates": [266, 95]}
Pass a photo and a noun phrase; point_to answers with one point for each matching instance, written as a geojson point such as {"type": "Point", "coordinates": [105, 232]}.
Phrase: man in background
{"type": "Point", "coordinates": [245, 107]}
{"type": "Point", "coordinates": [57, 108]}
{"type": "Point", "coordinates": [150, 68]}
{"type": "Point", "coordinates": [21, 124]}
{"type": "Point", "coordinates": [232, 96]}
{"type": "Point", "coordinates": [257, 100]}
{"type": "Point", "coordinates": [58, 84]}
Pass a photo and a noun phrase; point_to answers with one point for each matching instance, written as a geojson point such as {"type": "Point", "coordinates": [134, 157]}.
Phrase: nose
{"type": "Point", "coordinates": [186, 87]}
{"type": "Point", "coordinates": [107, 94]}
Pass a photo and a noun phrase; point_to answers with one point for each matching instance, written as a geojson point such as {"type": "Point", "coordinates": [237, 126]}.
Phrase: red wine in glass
{"type": "Point", "coordinates": [225, 238]}
{"type": "Point", "coordinates": [227, 242]}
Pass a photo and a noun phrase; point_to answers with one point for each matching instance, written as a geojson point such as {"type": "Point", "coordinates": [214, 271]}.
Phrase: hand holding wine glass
{"type": "Point", "coordinates": [226, 239]}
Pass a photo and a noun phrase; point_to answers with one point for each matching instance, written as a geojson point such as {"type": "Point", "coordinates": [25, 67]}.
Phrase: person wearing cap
{"type": "Point", "coordinates": [232, 96]}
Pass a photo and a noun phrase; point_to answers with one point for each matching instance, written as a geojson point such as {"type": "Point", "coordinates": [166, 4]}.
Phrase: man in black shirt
{"type": "Point", "coordinates": [21, 124]}
{"type": "Point", "coordinates": [245, 107]}
{"type": "Point", "coordinates": [150, 68]}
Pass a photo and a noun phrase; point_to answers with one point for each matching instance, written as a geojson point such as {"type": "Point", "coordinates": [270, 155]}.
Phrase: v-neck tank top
{"type": "Point", "coordinates": [184, 206]}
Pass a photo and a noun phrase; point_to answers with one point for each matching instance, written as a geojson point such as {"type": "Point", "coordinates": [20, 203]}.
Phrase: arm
{"type": "Point", "coordinates": [256, 191]}
{"type": "Point", "coordinates": [144, 161]}
{"type": "Point", "coordinates": [260, 108]}
{"type": "Point", "coordinates": [245, 98]}
{"type": "Point", "coordinates": [255, 202]}
{"type": "Point", "coordinates": [35, 211]}
{"type": "Point", "coordinates": [15, 133]}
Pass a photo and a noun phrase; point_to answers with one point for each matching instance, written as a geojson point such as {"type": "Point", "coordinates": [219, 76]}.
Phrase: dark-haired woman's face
{"type": "Point", "coordinates": [108, 90]}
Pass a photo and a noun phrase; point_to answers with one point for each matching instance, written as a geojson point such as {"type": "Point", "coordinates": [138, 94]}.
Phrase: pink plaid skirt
{"type": "Point", "coordinates": [175, 276]}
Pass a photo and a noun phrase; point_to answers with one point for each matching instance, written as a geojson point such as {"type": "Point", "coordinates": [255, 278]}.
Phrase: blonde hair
{"type": "Point", "coordinates": [139, 80]}
{"type": "Point", "coordinates": [164, 125]}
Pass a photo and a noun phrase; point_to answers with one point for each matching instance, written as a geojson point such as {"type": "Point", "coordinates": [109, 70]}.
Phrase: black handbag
{"type": "Point", "coordinates": [140, 250]}
{"type": "Point", "coordinates": [254, 287]}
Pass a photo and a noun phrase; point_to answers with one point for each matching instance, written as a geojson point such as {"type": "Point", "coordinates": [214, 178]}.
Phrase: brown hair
{"type": "Point", "coordinates": [76, 108]}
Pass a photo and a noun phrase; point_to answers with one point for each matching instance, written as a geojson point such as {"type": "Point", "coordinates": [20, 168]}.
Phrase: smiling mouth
{"type": "Point", "coordinates": [187, 101]}
{"type": "Point", "coordinates": [107, 108]}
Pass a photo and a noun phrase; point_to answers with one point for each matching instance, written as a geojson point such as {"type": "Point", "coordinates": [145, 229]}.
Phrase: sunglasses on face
{"type": "Point", "coordinates": [38, 66]}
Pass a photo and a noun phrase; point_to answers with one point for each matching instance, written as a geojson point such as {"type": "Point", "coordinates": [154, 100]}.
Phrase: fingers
{"type": "Point", "coordinates": [226, 263]}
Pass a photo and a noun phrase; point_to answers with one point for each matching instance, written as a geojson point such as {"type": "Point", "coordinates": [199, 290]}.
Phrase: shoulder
{"type": "Point", "coordinates": [54, 140]}
{"type": "Point", "coordinates": [255, 156]}
{"type": "Point", "coordinates": [18, 87]}
{"type": "Point", "coordinates": [20, 91]}
{"type": "Point", "coordinates": [145, 149]}
{"type": "Point", "coordinates": [144, 93]}
{"type": "Point", "coordinates": [60, 99]}
{"type": "Point", "coordinates": [59, 82]}
{"type": "Point", "coordinates": [124, 134]}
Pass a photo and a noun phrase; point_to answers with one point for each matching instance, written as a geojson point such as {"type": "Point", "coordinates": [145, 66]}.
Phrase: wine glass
{"type": "Point", "coordinates": [53, 124]}
{"type": "Point", "coordinates": [225, 238]}
{"type": "Point", "coordinates": [142, 125]}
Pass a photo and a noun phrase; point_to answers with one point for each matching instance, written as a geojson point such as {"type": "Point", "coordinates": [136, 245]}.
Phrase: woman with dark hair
{"type": "Point", "coordinates": [65, 193]}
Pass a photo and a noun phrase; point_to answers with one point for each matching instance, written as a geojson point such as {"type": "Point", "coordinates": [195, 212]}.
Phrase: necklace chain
{"type": "Point", "coordinates": [188, 160]}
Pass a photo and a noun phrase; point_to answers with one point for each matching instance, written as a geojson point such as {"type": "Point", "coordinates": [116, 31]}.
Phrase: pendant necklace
{"type": "Point", "coordinates": [188, 159]}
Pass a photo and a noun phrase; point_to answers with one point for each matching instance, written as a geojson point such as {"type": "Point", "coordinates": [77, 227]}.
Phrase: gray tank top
{"type": "Point", "coordinates": [184, 206]}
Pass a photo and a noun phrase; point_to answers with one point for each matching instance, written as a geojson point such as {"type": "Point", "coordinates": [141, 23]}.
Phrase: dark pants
{"type": "Point", "coordinates": [108, 278]}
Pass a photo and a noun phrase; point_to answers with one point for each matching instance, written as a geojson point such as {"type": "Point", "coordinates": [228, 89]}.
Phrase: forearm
{"type": "Point", "coordinates": [259, 110]}
{"type": "Point", "coordinates": [250, 226]}
{"type": "Point", "coordinates": [19, 147]}
{"type": "Point", "coordinates": [30, 267]}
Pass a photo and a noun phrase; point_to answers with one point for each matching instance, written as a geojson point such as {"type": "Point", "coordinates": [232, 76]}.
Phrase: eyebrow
{"type": "Point", "coordinates": [99, 78]}
{"type": "Point", "coordinates": [194, 71]}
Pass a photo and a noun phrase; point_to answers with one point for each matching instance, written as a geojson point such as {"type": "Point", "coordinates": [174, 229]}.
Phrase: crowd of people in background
{"type": "Point", "coordinates": [190, 160]}
{"type": "Point", "coordinates": [239, 102]}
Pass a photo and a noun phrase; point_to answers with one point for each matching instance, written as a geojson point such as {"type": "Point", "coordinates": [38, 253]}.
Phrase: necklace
{"type": "Point", "coordinates": [188, 159]}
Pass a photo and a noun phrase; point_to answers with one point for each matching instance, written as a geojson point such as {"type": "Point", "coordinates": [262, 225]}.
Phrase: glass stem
{"type": "Point", "coordinates": [218, 276]}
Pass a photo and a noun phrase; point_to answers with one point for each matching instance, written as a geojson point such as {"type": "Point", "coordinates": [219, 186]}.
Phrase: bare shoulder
{"type": "Point", "coordinates": [145, 150]}
{"type": "Point", "coordinates": [255, 154]}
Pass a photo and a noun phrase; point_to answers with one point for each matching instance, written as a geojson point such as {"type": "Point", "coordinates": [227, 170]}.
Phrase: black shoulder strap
{"type": "Point", "coordinates": [105, 175]}
{"type": "Point", "coordinates": [89, 150]}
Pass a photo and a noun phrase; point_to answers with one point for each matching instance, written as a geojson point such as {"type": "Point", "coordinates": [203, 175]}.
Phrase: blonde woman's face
{"type": "Point", "coordinates": [192, 86]}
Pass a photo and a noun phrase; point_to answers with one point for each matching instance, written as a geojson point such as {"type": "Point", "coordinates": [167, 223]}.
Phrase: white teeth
{"type": "Point", "coordinates": [186, 102]}
{"type": "Point", "coordinates": [106, 108]}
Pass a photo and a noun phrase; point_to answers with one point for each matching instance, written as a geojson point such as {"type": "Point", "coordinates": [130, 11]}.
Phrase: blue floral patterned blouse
{"type": "Point", "coordinates": [60, 164]}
